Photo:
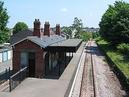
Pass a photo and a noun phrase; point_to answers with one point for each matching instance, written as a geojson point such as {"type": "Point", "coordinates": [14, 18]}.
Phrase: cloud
{"type": "Point", "coordinates": [63, 9]}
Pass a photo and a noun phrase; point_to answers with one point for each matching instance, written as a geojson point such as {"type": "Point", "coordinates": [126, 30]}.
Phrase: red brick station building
{"type": "Point", "coordinates": [42, 50]}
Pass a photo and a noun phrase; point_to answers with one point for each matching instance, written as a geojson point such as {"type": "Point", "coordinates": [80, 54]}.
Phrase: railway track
{"type": "Point", "coordinates": [94, 77]}
{"type": "Point", "coordinates": [88, 87]}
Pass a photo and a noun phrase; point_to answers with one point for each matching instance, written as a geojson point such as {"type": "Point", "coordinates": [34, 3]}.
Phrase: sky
{"type": "Point", "coordinates": [56, 11]}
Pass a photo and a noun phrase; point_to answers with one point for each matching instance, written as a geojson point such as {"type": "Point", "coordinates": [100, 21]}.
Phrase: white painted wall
{"type": "Point", "coordinates": [5, 55]}
{"type": "Point", "coordinates": [9, 54]}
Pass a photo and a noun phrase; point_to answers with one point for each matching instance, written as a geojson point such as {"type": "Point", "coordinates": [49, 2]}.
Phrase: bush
{"type": "Point", "coordinates": [123, 48]}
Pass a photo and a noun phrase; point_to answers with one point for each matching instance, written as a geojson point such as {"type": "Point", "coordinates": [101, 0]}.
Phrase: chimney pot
{"type": "Point", "coordinates": [58, 30]}
{"type": "Point", "coordinates": [36, 28]}
{"type": "Point", "coordinates": [47, 23]}
{"type": "Point", "coordinates": [47, 28]}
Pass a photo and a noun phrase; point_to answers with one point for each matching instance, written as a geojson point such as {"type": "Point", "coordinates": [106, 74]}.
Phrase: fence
{"type": "Point", "coordinates": [5, 75]}
{"type": "Point", "coordinates": [17, 78]}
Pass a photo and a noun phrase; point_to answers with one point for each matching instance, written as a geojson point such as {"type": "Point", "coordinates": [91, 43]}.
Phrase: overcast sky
{"type": "Point", "coordinates": [56, 11]}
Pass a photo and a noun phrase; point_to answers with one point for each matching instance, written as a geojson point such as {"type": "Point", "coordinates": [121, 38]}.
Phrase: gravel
{"type": "Point", "coordinates": [106, 82]}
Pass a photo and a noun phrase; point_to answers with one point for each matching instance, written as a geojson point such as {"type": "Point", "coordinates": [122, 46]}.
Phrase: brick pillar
{"type": "Point", "coordinates": [47, 29]}
{"type": "Point", "coordinates": [39, 64]}
{"type": "Point", "coordinates": [16, 60]}
{"type": "Point", "coordinates": [36, 28]}
{"type": "Point", "coordinates": [58, 30]}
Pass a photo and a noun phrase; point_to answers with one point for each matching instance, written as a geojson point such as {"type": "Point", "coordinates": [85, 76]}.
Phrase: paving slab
{"type": "Point", "coordinates": [33, 87]}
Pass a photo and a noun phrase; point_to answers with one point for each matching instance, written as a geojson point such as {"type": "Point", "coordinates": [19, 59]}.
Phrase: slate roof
{"type": "Point", "coordinates": [67, 43]}
{"type": "Point", "coordinates": [29, 32]}
{"type": "Point", "coordinates": [20, 35]}
{"type": "Point", "coordinates": [45, 40]}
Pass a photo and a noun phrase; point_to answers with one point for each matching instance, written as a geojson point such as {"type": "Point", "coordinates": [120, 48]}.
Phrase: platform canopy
{"type": "Point", "coordinates": [69, 45]}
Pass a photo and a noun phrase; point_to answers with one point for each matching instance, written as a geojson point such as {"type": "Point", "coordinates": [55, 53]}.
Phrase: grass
{"type": "Point", "coordinates": [121, 60]}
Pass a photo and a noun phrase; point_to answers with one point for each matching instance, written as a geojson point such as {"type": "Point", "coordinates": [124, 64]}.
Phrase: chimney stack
{"type": "Point", "coordinates": [36, 28]}
{"type": "Point", "coordinates": [47, 29]}
{"type": "Point", "coordinates": [58, 30]}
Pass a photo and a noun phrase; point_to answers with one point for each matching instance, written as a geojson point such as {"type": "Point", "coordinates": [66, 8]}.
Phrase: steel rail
{"type": "Point", "coordinates": [93, 74]}
{"type": "Point", "coordinates": [75, 78]}
{"type": "Point", "coordinates": [92, 67]}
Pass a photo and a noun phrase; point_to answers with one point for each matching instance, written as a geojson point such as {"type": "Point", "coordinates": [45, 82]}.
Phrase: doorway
{"type": "Point", "coordinates": [31, 62]}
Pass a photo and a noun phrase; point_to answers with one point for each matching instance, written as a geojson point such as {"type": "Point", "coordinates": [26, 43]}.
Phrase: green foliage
{"type": "Point", "coordinates": [4, 36]}
{"type": "Point", "coordinates": [4, 32]}
{"type": "Point", "coordinates": [116, 56]}
{"type": "Point", "coordinates": [114, 25]}
{"type": "Point", "coordinates": [85, 36]}
{"type": "Point", "coordinates": [75, 29]}
{"type": "Point", "coordinates": [95, 34]}
{"type": "Point", "coordinates": [67, 30]}
{"type": "Point", "coordinates": [20, 26]}
{"type": "Point", "coordinates": [3, 17]}
{"type": "Point", "coordinates": [77, 25]}
{"type": "Point", "coordinates": [123, 48]}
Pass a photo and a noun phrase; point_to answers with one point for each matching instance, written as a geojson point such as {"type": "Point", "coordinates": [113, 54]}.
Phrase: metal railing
{"type": "Point", "coordinates": [5, 75]}
{"type": "Point", "coordinates": [17, 78]}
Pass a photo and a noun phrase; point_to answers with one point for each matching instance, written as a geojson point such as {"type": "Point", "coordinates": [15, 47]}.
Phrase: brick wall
{"type": "Point", "coordinates": [28, 45]}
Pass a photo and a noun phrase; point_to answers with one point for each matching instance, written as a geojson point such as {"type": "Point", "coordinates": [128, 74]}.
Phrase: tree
{"type": "Point", "coordinates": [95, 34]}
{"type": "Point", "coordinates": [114, 25]}
{"type": "Point", "coordinates": [4, 31]}
{"type": "Point", "coordinates": [20, 26]}
{"type": "Point", "coordinates": [77, 25]}
{"type": "Point", "coordinates": [85, 36]}
{"type": "Point", "coordinates": [67, 30]}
